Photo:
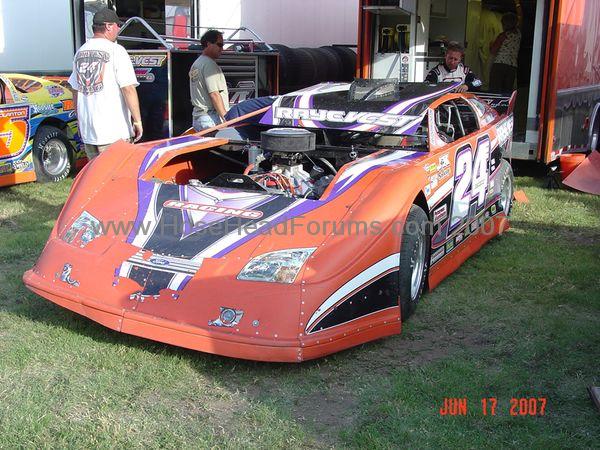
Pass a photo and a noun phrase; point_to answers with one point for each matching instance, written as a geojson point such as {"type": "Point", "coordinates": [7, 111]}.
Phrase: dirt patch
{"type": "Point", "coordinates": [327, 412]}
{"type": "Point", "coordinates": [334, 408]}
{"type": "Point", "coordinates": [417, 349]}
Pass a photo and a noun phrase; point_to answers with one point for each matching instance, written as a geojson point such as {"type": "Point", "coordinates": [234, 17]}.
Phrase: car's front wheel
{"type": "Point", "coordinates": [52, 154]}
{"type": "Point", "coordinates": [414, 260]}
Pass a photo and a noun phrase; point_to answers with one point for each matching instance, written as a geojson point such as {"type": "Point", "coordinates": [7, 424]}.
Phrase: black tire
{"type": "Point", "coordinates": [52, 154]}
{"type": "Point", "coordinates": [287, 66]}
{"type": "Point", "coordinates": [507, 189]}
{"type": "Point", "coordinates": [414, 260]}
{"type": "Point", "coordinates": [325, 68]}
{"type": "Point", "coordinates": [348, 62]}
{"type": "Point", "coordinates": [335, 61]}
{"type": "Point", "coordinates": [307, 74]}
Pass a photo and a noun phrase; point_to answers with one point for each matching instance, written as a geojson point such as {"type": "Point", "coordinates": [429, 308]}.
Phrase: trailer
{"type": "Point", "coordinates": [558, 83]}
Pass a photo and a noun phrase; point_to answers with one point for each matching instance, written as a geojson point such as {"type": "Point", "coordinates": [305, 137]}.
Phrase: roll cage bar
{"type": "Point", "coordinates": [169, 42]}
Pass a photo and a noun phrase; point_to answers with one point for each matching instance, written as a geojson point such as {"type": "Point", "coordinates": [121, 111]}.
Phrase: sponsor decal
{"type": "Point", "coordinates": [440, 214]}
{"type": "Point", "coordinates": [433, 181]}
{"type": "Point", "coordinates": [68, 105]}
{"type": "Point", "coordinates": [449, 246]}
{"type": "Point", "coordinates": [148, 60]}
{"type": "Point", "coordinates": [6, 168]}
{"type": "Point", "coordinates": [45, 110]}
{"type": "Point", "coordinates": [349, 117]}
{"type": "Point", "coordinates": [85, 229]}
{"type": "Point", "coordinates": [141, 298]}
{"type": "Point", "coordinates": [15, 113]}
{"type": "Point", "coordinates": [55, 91]}
{"type": "Point", "coordinates": [493, 209]}
{"type": "Point", "coordinates": [444, 161]}
{"type": "Point", "coordinates": [242, 91]}
{"type": "Point", "coordinates": [427, 190]}
{"type": "Point", "coordinates": [443, 174]}
{"type": "Point", "coordinates": [21, 166]}
{"type": "Point", "coordinates": [226, 211]}
{"type": "Point", "coordinates": [144, 75]}
{"type": "Point", "coordinates": [431, 167]}
{"type": "Point", "coordinates": [437, 255]}
{"type": "Point", "coordinates": [459, 238]}
{"type": "Point", "coordinates": [159, 261]}
{"type": "Point", "coordinates": [65, 275]}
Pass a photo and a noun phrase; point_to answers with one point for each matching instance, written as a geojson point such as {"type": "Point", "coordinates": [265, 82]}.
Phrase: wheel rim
{"type": "Point", "coordinates": [506, 196]}
{"type": "Point", "coordinates": [55, 157]}
{"type": "Point", "coordinates": [417, 262]}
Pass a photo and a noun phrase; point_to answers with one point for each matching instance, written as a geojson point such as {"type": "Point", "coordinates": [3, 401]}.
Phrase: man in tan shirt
{"type": "Point", "coordinates": [208, 89]}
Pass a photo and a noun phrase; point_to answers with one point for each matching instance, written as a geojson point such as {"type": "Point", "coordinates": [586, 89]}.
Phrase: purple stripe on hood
{"type": "Point", "coordinates": [146, 188]}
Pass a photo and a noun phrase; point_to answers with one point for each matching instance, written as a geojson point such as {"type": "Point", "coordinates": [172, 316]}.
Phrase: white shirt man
{"type": "Point", "coordinates": [105, 82]}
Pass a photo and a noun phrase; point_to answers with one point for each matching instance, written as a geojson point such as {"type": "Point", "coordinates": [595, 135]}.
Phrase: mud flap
{"type": "Point", "coordinates": [586, 177]}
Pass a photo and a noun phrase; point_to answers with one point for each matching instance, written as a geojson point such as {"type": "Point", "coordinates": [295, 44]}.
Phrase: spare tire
{"type": "Point", "coordinates": [348, 62]}
{"type": "Point", "coordinates": [325, 68]}
{"type": "Point", "coordinates": [287, 65]}
{"type": "Point", "coordinates": [307, 73]}
{"type": "Point", "coordinates": [336, 64]}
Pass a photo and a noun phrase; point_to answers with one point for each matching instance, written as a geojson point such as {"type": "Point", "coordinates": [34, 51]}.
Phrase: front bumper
{"type": "Point", "coordinates": [196, 338]}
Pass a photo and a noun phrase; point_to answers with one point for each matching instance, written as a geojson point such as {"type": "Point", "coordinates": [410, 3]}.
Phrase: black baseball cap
{"type": "Point", "coordinates": [106, 15]}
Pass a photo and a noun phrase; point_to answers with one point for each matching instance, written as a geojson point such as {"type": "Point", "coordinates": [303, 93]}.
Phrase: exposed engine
{"type": "Point", "coordinates": [292, 171]}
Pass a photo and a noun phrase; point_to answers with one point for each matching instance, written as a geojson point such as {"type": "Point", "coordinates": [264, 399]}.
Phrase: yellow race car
{"type": "Point", "coordinates": [39, 139]}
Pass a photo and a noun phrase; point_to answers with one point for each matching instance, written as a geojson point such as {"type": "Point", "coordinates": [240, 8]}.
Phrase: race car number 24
{"type": "Point", "coordinates": [471, 179]}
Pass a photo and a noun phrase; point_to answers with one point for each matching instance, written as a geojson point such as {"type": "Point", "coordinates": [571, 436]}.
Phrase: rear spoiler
{"type": "Point", "coordinates": [503, 103]}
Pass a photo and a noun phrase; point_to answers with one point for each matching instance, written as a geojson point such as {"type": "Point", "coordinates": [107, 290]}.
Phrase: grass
{"type": "Point", "coordinates": [519, 319]}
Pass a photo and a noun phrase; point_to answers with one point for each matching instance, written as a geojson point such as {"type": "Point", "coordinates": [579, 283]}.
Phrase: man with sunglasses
{"type": "Point", "coordinates": [105, 88]}
{"type": "Point", "coordinates": [208, 89]}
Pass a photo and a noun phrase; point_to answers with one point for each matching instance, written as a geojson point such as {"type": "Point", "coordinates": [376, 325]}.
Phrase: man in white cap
{"type": "Point", "coordinates": [105, 85]}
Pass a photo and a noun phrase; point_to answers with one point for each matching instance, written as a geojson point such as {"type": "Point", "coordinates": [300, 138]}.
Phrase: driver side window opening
{"type": "Point", "coordinates": [454, 120]}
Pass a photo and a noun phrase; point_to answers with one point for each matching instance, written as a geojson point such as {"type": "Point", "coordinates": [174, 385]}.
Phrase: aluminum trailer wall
{"type": "Point", "coordinates": [37, 36]}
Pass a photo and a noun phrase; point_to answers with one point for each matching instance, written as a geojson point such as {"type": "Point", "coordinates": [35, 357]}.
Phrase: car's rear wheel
{"type": "Point", "coordinates": [414, 260]}
{"type": "Point", "coordinates": [52, 154]}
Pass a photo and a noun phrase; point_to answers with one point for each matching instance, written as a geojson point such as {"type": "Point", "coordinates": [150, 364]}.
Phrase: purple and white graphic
{"type": "Point", "coordinates": [213, 220]}
{"type": "Point", "coordinates": [298, 109]}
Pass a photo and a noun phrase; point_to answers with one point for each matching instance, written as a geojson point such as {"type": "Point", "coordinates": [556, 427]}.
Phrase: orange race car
{"type": "Point", "coordinates": [309, 225]}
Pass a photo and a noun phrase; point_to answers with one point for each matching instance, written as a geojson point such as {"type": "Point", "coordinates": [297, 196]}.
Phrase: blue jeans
{"type": "Point", "coordinates": [204, 121]}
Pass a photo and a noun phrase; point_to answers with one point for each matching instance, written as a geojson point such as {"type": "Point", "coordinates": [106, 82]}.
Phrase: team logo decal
{"type": "Point", "coordinates": [144, 75]}
{"type": "Point", "coordinates": [55, 91]}
{"type": "Point", "coordinates": [226, 211]}
{"type": "Point", "coordinates": [148, 60]}
{"type": "Point", "coordinates": [89, 65]}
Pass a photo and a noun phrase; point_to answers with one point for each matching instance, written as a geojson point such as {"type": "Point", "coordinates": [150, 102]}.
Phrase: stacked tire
{"type": "Point", "coordinates": [302, 67]}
